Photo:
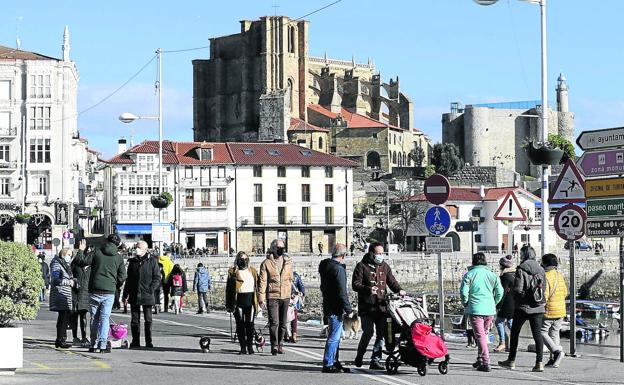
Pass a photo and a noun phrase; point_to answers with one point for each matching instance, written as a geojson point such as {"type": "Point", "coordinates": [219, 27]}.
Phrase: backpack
{"type": "Point", "coordinates": [535, 293]}
{"type": "Point", "coordinates": [177, 280]}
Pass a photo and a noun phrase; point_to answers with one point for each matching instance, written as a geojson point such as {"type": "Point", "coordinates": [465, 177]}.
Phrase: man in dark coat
{"type": "Point", "coordinates": [505, 308]}
{"type": "Point", "coordinates": [371, 279]}
{"type": "Point", "coordinates": [45, 274]}
{"type": "Point", "coordinates": [143, 279]}
{"type": "Point", "coordinates": [336, 304]}
{"type": "Point", "coordinates": [80, 304]}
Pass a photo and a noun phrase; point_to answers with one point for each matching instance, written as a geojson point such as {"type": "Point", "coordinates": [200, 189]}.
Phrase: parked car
{"type": "Point", "coordinates": [580, 245]}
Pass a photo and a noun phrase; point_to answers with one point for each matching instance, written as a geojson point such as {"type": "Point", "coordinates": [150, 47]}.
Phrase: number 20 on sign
{"type": "Point", "coordinates": [570, 222]}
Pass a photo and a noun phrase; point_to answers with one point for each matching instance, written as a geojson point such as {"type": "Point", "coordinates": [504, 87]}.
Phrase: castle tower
{"type": "Point", "coordinates": [565, 118]}
{"type": "Point", "coordinates": [562, 94]}
{"type": "Point", "coordinates": [66, 47]}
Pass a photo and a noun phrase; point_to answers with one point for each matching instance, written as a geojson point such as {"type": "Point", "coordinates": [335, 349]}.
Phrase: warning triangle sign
{"type": "Point", "coordinates": [569, 187]}
{"type": "Point", "coordinates": [510, 209]}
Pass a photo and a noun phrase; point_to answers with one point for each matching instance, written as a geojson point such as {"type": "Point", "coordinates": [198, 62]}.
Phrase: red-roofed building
{"type": "Point", "coordinates": [234, 195]}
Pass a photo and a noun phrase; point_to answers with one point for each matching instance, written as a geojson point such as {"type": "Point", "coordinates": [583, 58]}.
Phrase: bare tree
{"type": "Point", "coordinates": [409, 212]}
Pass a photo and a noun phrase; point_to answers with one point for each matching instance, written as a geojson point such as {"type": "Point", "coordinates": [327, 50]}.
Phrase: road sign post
{"type": "Point", "coordinates": [572, 299]}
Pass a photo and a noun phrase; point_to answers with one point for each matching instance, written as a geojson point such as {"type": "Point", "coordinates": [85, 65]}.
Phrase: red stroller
{"type": "Point", "coordinates": [411, 339]}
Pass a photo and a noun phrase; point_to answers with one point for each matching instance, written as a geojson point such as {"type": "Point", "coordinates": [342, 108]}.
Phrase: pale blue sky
{"type": "Point", "coordinates": [442, 50]}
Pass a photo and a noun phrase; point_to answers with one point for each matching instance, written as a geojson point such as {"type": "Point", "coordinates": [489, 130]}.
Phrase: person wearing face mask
{"type": "Point", "coordinates": [371, 279]}
{"type": "Point", "coordinates": [241, 300]}
{"type": "Point", "coordinates": [274, 287]}
{"type": "Point", "coordinates": [143, 280]}
{"type": "Point", "coordinates": [61, 294]}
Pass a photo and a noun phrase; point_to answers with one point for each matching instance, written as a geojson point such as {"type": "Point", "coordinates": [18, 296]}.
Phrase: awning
{"type": "Point", "coordinates": [136, 228]}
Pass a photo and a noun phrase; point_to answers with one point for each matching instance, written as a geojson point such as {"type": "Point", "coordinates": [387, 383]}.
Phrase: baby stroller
{"type": "Point", "coordinates": [117, 334]}
{"type": "Point", "coordinates": [411, 339]}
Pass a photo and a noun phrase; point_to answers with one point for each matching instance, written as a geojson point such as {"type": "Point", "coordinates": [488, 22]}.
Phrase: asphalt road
{"type": "Point", "coordinates": [178, 360]}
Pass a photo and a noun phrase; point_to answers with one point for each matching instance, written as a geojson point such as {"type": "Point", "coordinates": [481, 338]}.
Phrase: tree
{"type": "Point", "coordinates": [558, 141]}
{"type": "Point", "coordinates": [410, 212]}
{"type": "Point", "coordinates": [418, 156]}
{"type": "Point", "coordinates": [446, 158]}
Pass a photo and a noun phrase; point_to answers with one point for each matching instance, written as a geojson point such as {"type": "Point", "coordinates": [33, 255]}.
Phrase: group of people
{"type": "Point", "coordinates": [531, 292]}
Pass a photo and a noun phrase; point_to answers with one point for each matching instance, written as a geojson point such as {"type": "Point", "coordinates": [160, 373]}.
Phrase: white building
{"type": "Point", "coordinates": [232, 195]}
{"type": "Point", "coordinates": [40, 147]}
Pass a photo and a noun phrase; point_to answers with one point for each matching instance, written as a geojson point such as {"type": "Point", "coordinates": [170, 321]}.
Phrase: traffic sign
{"type": "Point", "coordinates": [437, 189]}
{"type": "Point", "coordinates": [66, 234]}
{"type": "Point", "coordinates": [510, 209]}
{"type": "Point", "coordinates": [439, 244]}
{"type": "Point", "coordinates": [464, 226]}
{"type": "Point", "coordinates": [601, 163]}
{"type": "Point", "coordinates": [569, 187]}
{"type": "Point", "coordinates": [605, 227]}
{"type": "Point", "coordinates": [593, 140]}
{"type": "Point", "coordinates": [608, 187]}
{"type": "Point", "coordinates": [437, 220]}
{"type": "Point", "coordinates": [570, 222]}
{"type": "Point", "coordinates": [605, 207]}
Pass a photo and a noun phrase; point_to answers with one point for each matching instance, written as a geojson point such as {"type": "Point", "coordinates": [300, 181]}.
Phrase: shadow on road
{"type": "Point", "coordinates": [263, 366]}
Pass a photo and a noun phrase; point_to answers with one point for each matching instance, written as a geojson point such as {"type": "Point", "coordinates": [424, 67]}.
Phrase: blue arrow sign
{"type": "Point", "coordinates": [437, 220]}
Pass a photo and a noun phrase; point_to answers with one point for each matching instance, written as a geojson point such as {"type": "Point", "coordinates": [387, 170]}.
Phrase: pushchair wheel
{"type": "Point", "coordinates": [392, 364]}
{"type": "Point", "coordinates": [443, 367]}
{"type": "Point", "coordinates": [422, 370]}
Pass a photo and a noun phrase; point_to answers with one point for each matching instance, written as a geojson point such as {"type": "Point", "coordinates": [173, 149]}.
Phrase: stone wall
{"type": "Point", "coordinates": [475, 176]}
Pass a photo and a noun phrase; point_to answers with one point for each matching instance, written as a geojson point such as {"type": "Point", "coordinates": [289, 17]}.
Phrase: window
{"type": "Point", "coordinates": [188, 172]}
{"type": "Point", "coordinates": [281, 171]}
{"type": "Point", "coordinates": [190, 197]}
{"type": "Point", "coordinates": [221, 172]}
{"type": "Point", "coordinates": [273, 152]}
{"type": "Point", "coordinates": [40, 86]}
{"type": "Point", "coordinates": [40, 150]}
{"type": "Point", "coordinates": [305, 215]}
{"type": "Point", "coordinates": [257, 193]}
{"type": "Point", "coordinates": [257, 215]}
{"type": "Point", "coordinates": [205, 154]}
{"type": "Point", "coordinates": [305, 171]}
{"type": "Point", "coordinates": [320, 143]}
{"type": "Point", "coordinates": [291, 39]}
{"type": "Point", "coordinates": [4, 153]}
{"type": "Point", "coordinates": [4, 186]}
{"type": "Point", "coordinates": [5, 90]}
{"type": "Point", "coordinates": [248, 151]}
{"type": "Point", "coordinates": [525, 238]}
{"type": "Point", "coordinates": [257, 171]}
{"type": "Point", "coordinates": [205, 197]}
{"type": "Point", "coordinates": [40, 118]}
{"type": "Point", "coordinates": [329, 172]}
{"type": "Point", "coordinates": [329, 193]}
{"type": "Point", "coordinates": [220, 197]}
{"type": "Point", "coordinates": [281, 193]}
{"type": "Point", "coordinates": [41, 187]}
{"type": "Point", "coordinates": [305, 193]}
{"type": "Point", "coordinates": [478, 238]}
{"type": "Point", "coordinates": [281, 215]}
{"type": "Point", "coordinates": [329, 215]}
{"type": "Point", "coordinates": [306, 152]}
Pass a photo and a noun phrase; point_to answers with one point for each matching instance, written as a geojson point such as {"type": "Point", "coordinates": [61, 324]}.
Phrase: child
{"type": "Point", "coordinates": [177, 283]}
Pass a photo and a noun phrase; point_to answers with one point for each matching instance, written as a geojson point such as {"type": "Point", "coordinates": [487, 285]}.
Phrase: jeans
{"type": "Point", "coordinates": [500, 326]}
{"type": "Point", "coordinates": [61, 324]}
{"type": "Point", "coordinates": [244, 317]}
{"type": "Point", "coordinates": [535, 321]}
{"type": "Point", "coordinates": [202, 299]}
{"type": "Point", "coordinates": [550, 334]}
{"type": "Point", "coordinates": [378, 322]}
{"type": "Point", "coordinates": [135, 324]}
{"type": "Point", "coordinates": [42, 294]}
{"type": "Point", "coordinates": [101, 306]}
{"type": "Point", "coordinates": [334, 332]}
{"type": "Point", "coordinates": [278, 318]}
{"type": "Point", "coordinates": [481, 324]}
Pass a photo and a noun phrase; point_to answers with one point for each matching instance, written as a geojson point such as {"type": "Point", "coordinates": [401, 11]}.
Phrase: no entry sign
{"type": "Point", "coordinates": [437, 189]}
{"type": "Point", "coordinates": [570, 222]}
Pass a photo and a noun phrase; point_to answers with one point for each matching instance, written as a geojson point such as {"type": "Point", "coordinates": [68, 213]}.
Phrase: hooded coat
{"type": "Point", "coordinates": [366, 275]}
{"type": "Point", "coordinates": [522, 282]}
{"type": "Point", "coordinates": [61, 289]}
{"type": "Point", "coordinates": [107, 268]}
{"type": "Point", "coordinates": [506, 306]}
{"type": "Point", "coordinates": [201, 282]}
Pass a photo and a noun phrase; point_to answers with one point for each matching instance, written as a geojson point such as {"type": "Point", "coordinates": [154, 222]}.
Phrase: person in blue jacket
{"type": "Point", "coordinates": [202, 284]}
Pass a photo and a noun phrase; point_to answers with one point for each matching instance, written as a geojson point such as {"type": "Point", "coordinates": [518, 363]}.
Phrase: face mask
{"type": "Point", "coordinates": [242, 263]}
{"type": "Point", "coordinates": [378, 258]}
{"type": "Point", "coordinates": [67, 258]}
{"type": "Point", "coordinates": [140, 252]}
{"type": "Point", "coordinates": [279, 251]}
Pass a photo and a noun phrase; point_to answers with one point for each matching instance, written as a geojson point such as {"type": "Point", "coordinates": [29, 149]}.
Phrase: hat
{"type": "Point", "coordinates": [506, 261]}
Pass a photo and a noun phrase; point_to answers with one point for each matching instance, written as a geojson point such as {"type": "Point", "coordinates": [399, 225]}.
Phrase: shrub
{"type": "Point", "coordinates": [20, 283]}
{"type": "Point", "coordinates": [167, 196]}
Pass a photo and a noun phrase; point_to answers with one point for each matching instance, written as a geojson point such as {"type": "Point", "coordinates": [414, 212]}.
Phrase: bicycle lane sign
{"type": "Point", "coordinates": [437, 220]}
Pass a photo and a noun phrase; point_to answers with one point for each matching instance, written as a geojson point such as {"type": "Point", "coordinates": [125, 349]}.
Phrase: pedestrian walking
{"type": "Point", "coordinates": [80, 304]}
{"type": "Point", "coordinates": [159, 287]}
{"type": "Point", "coordinates": [336, 305]}
{"type": "Point", "coordinates": [320, 249]}
{"type": "Point", "coordinates": [480, 291]}
{"type": "Point", "coordinates": [274, 288]}
{"type": "Point", "coordinates": [143, 279]}
{"type": "Point", "coordinates": [177, 283]}
{"type": "Point", "coordinates": [241, 299]}
{"type": "Point", "coordinates": [45, 274]}
{"type": "Point", "coordinates": [555, 309]}
{"type": "Point", "coordinates": [505, 308]}
{"type": "Point", "coordinates": [297, 298]}
{"type": "Point", "coordinates": [61, 295]}
{"type": "Point", "coordinates": [167, 265]}
{"type": "Point", "coordinates": [107, 275]}
{"type": "Point", "coordinates": [352, 248]}
{"type": "Point", "coordinates": [529, 283]}
{"type": "Point", "coordinates": [202, 284]}
{"type": "Point", "coordinates": [371, 279]}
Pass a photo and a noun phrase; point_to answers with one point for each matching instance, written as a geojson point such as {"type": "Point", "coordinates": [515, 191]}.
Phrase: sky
{"type": "Point", "coordinates": [442, 51]}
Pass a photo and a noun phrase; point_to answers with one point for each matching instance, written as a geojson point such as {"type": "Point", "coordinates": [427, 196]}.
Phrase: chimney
{"type": "Point", "coordinates": [122, 145]}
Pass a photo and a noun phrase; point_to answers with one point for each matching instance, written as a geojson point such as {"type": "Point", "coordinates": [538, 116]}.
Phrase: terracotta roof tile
{"type": "Point", "coordinates": [354, 120]}
{"type": "Point", "coordinates": [470, 194]}
{"type": "Point", "coordinates": [7, 53]}
{"type": "Point", "coordinates": [283, 154]}
{"type": "Point", "coordinates": [297, 124]}
{"type": "Point", "coordinates": [176, 153]}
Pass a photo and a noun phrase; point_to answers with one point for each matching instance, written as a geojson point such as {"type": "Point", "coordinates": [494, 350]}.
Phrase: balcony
{"type": "Point", "coordinates": [8, 132]}
{"type": "Point", "coordinates": [12, 165]}
{"type": "Point", "coordinates": [190, 205]}
{"type": "Point", "coordinates": [292, 222]}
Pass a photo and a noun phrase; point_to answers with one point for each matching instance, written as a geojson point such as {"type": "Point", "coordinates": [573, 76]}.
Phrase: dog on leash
{"type": "Point", "coordinates": [259, 341]}
{"type": "Point", "coordinates": [351, 325]}
{"type": "Point", "coordinates": [204, 344]}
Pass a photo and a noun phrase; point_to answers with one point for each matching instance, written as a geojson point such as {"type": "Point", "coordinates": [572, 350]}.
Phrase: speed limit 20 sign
{"type": "Point", "coordinates": [570, 222]}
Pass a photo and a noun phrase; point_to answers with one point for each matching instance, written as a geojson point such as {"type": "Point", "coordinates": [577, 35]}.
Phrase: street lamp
{"type": "Point", "coordinates": [128, 117]}
{"type": "Point", "coordinates": [543, 113]}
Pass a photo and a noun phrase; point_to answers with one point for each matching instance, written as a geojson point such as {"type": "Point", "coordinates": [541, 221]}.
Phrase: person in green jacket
{"type": "Point", "coordinates": [480, 291]}
{"type": "Point", "coordinates": [107, 274]}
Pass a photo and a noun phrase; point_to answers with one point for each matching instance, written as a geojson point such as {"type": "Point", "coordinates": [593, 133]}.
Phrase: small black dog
{"type": "Point", "coordinates": [259, 341]}
{"type": "Point", "coordinates": [204, 344]}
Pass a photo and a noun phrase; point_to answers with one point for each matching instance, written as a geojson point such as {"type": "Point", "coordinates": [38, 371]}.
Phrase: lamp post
{"type": "Point", "coordinates": [543, 113]}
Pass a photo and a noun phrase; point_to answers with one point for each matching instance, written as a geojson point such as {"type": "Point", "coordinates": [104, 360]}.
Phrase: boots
{"type": "Point", "coordinates": [62, 344]}
{"type": "Point", "coordinates": [539, 367]}
{"type": "Point", "coordinates": [250, 348]}
{"type": "Point", "coordinates": [500, 348]}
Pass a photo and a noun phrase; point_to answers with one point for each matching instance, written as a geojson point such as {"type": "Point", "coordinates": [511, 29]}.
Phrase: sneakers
{"type": "Point", "coordinates": [280, 349]}
{"type": "Point", "coordinates": [76, 341]}
{"type": "Point", "coordinates": [557, 358]}
{"type": "Point", "coordinates": [550, 362]}
{"type": "Point", "coordinates": [330, 369]}
{"type": "Point", "coordinates": [539, 367]}
{"type": "Point", "coordinates": [500, 348]}
{"type": "Point", "coordinates": [274, 352]}
{"type": "Point", "coordinates": [483, 368]}
{"type": "Point", "coordinates": [376, 365]}
{"type": "Point", "coordinates": [85, 343]}
{"type": "Point", "coordinates": [507, 364]}
{"type": "Point", "coordinates": [107, 350]}
{"type": "Point", "coordinates": [358, 362]}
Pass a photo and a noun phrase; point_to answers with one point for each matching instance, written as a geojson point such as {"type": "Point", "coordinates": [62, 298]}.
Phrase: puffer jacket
{"type": "Point", "coordinates": [368, 274]}
{"type": "Point", "coordinates": [556, 292]}
{"type": "Point", "coordinates": [522, 281]}
{"type": "Point", "coordinates": [480, 291]}
{"type": "Point", "coordinates": [61, 289]}
{"type": "Point", "coordinates": [506, 306]}
{"type": "Point", "coordinates": [201, 282]}
{"type": "Point", "coordinates": [81, 291]}
{"type": "Point", "coordinates": [234, 283]}
{"type": "Point", "coordinates": [273, 283]}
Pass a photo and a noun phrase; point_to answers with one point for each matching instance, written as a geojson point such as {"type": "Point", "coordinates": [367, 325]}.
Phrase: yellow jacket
{"type": "Point", "coordinates": [167, 266]}
{"type": "Point", "coordinates": [556, 293]}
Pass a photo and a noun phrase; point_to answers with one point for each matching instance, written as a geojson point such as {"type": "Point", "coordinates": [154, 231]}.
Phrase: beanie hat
{"type": "Point", "coordinates": [506, 261]}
